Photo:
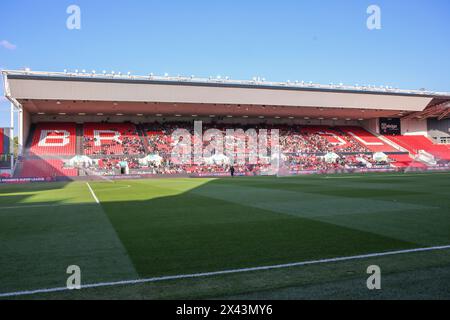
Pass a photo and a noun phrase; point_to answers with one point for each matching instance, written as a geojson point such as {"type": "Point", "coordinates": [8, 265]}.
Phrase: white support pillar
{"type": "Point", "coordinates": [12, 116]}
{"type": "Point", "coordinates": [11, 146]}
{"type": "Point", "coordinates": [20, 135]}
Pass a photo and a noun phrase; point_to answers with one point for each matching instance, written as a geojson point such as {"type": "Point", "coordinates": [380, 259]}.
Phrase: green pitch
{"type": "Point", "coordinates": [149, 228]}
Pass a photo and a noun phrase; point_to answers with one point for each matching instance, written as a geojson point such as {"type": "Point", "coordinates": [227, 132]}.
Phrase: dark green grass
{"type": "Point", "coordinates": [190, 233]}
{"type": "Point", "coordinates": [148, 228]}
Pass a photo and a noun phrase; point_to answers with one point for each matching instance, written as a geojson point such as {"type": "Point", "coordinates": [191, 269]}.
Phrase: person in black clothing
{"type": "Point", "coordinates": [232, 171]}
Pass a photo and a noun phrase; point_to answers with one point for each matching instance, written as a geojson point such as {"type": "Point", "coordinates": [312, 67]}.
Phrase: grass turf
{"type": "Point", "coordinates": [147, 228]}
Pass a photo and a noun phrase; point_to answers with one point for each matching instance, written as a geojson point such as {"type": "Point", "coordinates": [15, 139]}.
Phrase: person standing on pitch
{"type": "Point", "coordinates": [232, 171]}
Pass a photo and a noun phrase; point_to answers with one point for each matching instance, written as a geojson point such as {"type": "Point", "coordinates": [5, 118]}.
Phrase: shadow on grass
{"type": "Point", "coordinates": [192, 232]}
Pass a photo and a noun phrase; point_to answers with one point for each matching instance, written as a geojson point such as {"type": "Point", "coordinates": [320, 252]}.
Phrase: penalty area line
{"type": "Point", "coordinates": [223, 272]}
{"type": "Point", "coordinates": [92, 193]}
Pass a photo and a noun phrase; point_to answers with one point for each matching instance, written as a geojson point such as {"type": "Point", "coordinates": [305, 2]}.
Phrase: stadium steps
{"type": "Point", "coordinates": [143, 136]}
{"type": "Point", "coordinates": [79, 141]}
{"type": "Point", "coordinates": [18, 169]}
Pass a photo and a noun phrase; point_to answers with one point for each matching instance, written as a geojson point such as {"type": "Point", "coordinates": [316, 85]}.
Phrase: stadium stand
{"type": "Point", "coordinates": [303, 147]}
{"type": "Point", "coordinates": [53, 139]}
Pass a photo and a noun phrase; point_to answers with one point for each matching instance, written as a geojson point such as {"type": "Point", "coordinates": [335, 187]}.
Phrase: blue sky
{"type": "Point", "coordinates": [317, 40]}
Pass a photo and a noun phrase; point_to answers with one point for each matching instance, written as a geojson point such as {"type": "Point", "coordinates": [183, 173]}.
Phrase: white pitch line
{"type": "Point", "coordinates": [93, 193]}
{"type": "Point", "coordinates": [45, 206]}
{"type": "Point", "coordinates": [223, 272]}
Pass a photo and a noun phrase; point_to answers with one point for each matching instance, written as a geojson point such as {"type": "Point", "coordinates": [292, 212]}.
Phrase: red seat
{"type": "Point", "coordinates": [46, 168]}
{"type": "Point", "coordinates": [54, 139]}
{"type": "Point", "coordinates": [404, 160]}
{"type": "Point", "coordinates": [111, 139]}
{"type": "Point", "coordinates": [416, 143]}
{"type": "Point", "coordinates": [366, 138]}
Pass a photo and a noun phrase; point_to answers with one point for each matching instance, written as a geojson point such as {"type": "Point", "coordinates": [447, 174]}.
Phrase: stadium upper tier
{"type": "Point", "coordinates": [52, 148]}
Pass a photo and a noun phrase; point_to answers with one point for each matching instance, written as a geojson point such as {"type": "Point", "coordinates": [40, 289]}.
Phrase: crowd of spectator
{"type": "Point", "coordinates": [128, 142]}
{"type": "Point", "coordinates": [293, 139]}
{"type": "Point", "coordinates": [303, 149]}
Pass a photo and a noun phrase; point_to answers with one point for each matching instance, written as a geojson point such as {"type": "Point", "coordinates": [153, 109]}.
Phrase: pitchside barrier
{"type": "Point", "coordinates": [221, 175]}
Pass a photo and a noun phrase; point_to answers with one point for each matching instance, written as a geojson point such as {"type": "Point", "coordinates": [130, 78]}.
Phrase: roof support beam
{"type": "Point", "coordinates": [437, 109]}
{"type": "Point", "coordinates": [445, 114]}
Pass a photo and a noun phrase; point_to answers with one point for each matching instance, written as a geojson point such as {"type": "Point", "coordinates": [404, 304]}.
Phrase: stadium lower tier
{"type": "Point", "coordinates": [69, 149]}
{"type": "Point", "coordinates": [288, 165]}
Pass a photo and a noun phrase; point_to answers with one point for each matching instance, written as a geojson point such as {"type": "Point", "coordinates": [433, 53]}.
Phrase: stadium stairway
{"type": "Point", "coordinates": [79, 140]}
{"type": "Point", "coordinates": [18, 169]}
{"type": "Point", "coordinates": [143, 136]}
